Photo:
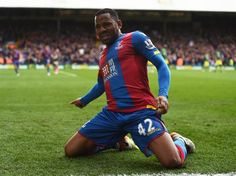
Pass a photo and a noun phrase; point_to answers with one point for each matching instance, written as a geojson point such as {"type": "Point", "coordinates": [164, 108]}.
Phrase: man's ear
{"type": "Point", "coordinates": [119, 22]}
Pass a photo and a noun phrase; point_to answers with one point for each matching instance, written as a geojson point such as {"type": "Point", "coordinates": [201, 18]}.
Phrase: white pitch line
{"type": "Point", "coordinates": [68, 74]}
{"type": "Point", "coordinates": [182, 174]}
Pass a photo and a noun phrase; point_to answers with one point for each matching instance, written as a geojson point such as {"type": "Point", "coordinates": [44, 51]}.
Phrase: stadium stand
{"type": "Point", "coordinates": [184, 38]}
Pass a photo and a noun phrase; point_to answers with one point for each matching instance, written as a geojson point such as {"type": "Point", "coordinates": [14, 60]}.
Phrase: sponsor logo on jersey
{"type": "Point", "coordinates": [109, 70]}
{"type": "Point", "coordinates": [119, 46]}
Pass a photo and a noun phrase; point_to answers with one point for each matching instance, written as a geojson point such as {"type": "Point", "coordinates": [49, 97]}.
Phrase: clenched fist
{"type": "Point", "coordinates": [162, 105]}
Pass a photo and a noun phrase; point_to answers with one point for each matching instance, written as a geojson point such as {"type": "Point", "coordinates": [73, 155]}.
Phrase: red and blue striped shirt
{"type": "Point", "coordinates": [123, 74]}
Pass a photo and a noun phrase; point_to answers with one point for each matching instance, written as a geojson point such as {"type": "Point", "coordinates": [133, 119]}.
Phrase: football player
{"type": "Point", "coordinates": [131, 107]}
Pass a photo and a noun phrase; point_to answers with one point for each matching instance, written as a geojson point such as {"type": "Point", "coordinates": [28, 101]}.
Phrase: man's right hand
{"type": "Point", "coordinates": [78, 103]}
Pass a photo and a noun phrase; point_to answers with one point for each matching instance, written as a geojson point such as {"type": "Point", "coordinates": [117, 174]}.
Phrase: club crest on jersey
{"type": "Point", "coordinates": [119, 46]}
{"type": "Point", "coordinates": [109, 70]}
{"type": "Point", "coordinates": [149, 44]}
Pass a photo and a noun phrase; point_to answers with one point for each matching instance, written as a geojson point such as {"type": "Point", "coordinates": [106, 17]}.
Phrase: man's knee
{"type": "Point", "coordinates": [165, 150]}
{"type": "Point", "coordinates": [79, 146]}
{"type": "Point", "coordinates": [173, 162]}
{"type": "Point", "coordinates": [72, 147]}
{"type": "Point", "coordinates": [69, 152]}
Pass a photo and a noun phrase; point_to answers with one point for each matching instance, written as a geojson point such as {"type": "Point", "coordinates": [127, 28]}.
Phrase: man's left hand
{"type": "Point", "coordinates": [162, 105]}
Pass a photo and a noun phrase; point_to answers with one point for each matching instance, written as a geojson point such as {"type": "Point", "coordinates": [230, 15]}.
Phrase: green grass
{"type": "Point", "coordinates": [36, 120]}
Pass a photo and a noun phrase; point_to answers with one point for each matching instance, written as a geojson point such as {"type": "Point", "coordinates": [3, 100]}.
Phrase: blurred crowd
{"type": "Point", "coordinates": [182, 45]}
{"type": "Point", "coordinates": [75, 44]}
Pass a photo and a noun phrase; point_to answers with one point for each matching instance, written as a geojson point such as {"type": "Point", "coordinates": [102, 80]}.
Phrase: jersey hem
{"type": "Point", "coordinates": [132, 109]}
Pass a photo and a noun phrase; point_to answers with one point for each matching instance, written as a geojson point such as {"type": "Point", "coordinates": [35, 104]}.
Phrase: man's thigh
{"type": "Point", "coordinates": [146, 128]}
{"type": "Point", "coordinates": [104, 129]}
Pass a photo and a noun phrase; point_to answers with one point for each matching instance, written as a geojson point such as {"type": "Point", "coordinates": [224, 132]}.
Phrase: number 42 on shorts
{"type": "Point", "coordinates": [146, 128]}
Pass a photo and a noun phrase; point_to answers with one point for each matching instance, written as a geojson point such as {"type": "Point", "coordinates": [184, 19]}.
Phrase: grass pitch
{"type": "Point", "coordinates": [36, 120]}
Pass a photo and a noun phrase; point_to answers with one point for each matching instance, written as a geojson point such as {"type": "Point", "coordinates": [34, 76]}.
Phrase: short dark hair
{"type": "Point", "coordinates": [112, 12]}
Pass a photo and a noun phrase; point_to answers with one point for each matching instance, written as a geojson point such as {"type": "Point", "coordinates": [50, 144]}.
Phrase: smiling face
{"type": "Point", "coordinates": [107, 28]}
